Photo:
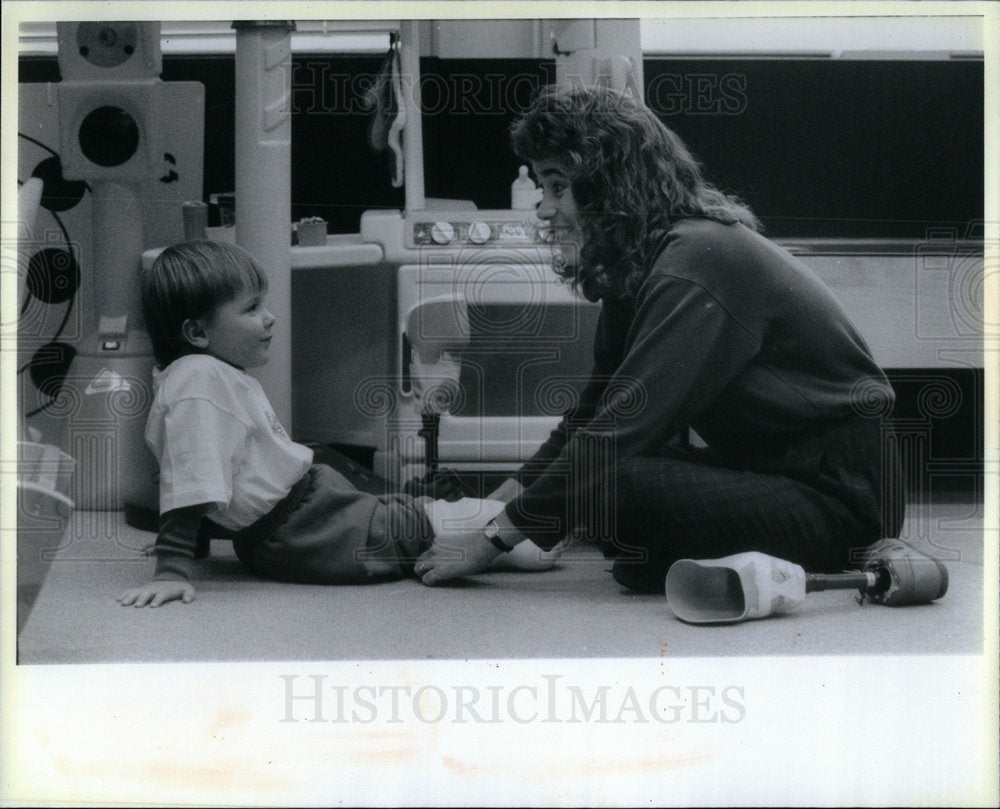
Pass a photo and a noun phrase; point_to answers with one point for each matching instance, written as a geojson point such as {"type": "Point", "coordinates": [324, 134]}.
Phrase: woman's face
{"type": "Point", "coordinates": [558, 207]}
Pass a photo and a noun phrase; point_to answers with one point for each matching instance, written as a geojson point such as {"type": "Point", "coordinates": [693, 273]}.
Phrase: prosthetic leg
{"type": "Point", "coordinates": [754, 585]}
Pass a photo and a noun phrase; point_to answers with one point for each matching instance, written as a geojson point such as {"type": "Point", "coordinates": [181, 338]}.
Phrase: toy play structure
{"type": "Point", "coordinates": [117, 151]}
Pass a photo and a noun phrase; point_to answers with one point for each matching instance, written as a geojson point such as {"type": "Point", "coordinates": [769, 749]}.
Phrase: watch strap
{"type": "Point", "coordinates": [492, 532]}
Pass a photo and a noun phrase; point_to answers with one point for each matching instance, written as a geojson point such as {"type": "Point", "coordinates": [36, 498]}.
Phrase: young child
{"type": "Point", "coordinates": [225, 460]}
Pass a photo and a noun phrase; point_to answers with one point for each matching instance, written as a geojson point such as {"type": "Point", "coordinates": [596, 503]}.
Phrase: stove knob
{"type": "Point", "coordinates": [442, 232]}
{"type": "Point", "coordinates": [480, 232]}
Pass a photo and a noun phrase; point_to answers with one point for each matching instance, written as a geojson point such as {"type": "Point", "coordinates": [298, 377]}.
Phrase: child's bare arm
{"type": "Point", "coordinates": [176, 547]}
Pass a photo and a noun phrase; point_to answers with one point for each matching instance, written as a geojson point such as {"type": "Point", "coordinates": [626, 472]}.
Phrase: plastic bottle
{"type": "Point", "coordinates": [523, 192]}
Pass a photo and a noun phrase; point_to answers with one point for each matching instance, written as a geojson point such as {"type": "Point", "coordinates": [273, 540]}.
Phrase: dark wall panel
{"type": "Point", "coordinates": [834, 148]}
{"type": "Point", "coordinates": [819, 148]}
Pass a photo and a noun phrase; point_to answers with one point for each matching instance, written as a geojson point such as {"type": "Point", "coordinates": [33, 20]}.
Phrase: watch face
{"type": "Point", "coordinates": [492, 530]}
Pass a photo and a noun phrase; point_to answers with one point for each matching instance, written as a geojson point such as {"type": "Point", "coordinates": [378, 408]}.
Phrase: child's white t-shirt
{"type": "Point", "coordinates": [218, 441]}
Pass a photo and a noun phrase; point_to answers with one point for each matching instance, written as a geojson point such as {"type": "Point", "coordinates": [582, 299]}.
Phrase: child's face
{"type": "Point", "coordinates": [239, 331]}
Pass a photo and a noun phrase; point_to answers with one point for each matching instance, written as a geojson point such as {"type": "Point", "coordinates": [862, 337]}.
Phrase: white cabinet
{"type": "Point", "coordinates": [917, 309]}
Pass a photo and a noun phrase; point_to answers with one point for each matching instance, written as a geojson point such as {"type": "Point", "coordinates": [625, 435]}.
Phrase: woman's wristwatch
{"type": "Point", "coordinates": [492, 532]}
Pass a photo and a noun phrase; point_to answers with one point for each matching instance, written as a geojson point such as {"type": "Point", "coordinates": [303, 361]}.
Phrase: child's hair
{"type": "Point", "coordinates": [631, 177]}
{"type": "Point", "coordinates": [189, 280]}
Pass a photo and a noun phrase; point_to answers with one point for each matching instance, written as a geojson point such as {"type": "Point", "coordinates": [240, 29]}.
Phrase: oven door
{"type": "Point", "coordinates": [528, 355]}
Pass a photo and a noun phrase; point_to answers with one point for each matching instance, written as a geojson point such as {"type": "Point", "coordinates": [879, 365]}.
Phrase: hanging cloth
{"type": "Point", "coordinates": [399, 121]}
{"type": "Point", "coordinates": [385, 99]}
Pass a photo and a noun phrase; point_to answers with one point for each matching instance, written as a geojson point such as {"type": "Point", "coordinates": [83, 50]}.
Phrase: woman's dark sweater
{"type": "Point", "coordinates": [732, 336]}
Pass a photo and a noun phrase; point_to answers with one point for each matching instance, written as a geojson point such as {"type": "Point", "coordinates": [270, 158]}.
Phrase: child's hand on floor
{"type": "Point", "coordinates": [156, 593]}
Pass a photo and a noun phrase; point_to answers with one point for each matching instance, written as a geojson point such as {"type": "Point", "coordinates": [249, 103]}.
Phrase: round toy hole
{"type": "Point", "coordinates": [109, 136]}
{"type": "Point", "coordinates": [53, 275]}
{"type": "Point", "coordinates": [49, 367]}
{"type": "Point", "coordinates": [58, 193]}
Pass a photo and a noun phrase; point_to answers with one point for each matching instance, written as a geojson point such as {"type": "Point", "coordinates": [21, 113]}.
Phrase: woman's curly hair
{"type": "Point", "coordinates": [630, 176]}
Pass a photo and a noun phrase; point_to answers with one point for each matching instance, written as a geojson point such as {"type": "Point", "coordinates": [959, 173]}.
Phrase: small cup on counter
{"type": "Point", "coordinates": [310, 232]}
{"type": "Point", "coordinates": [195, 219]}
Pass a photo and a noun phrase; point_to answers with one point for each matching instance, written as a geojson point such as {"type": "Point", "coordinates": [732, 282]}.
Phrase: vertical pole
{"type": "Point", "coordinates": [111, 374]}
{"type": "Point", "coordinates": [117, 248]}
{"type": "Point", "coordinates": [263, 184]}
{"type": "Point", "coordinates": [413, 139]}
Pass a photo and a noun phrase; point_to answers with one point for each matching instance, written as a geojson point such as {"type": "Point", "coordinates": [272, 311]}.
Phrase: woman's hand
{"type": "Point", "coordinates": [156, 593]}
{"type": "Point", "coordinates": [454, 556]}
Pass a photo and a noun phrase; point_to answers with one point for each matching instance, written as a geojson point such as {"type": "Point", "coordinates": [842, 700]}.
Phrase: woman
{"type": "Point", "coordinates": [707, 326]}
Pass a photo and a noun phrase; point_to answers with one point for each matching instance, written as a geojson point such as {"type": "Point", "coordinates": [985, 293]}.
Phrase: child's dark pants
{"type": "Point", "coordinates": [327, 532]}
